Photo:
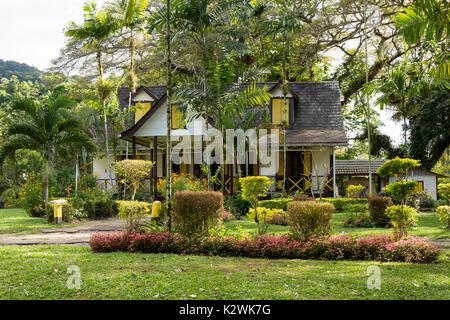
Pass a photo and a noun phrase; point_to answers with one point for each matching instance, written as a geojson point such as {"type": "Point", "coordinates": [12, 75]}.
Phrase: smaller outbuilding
{"type": "Point", "coordinates": [353, 172]}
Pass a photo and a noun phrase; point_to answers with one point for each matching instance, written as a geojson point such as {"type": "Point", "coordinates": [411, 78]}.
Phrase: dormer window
{"type": "Point", "coordinates": [280, 111]}
{"type": "Point", "coordinates": [141, 109]}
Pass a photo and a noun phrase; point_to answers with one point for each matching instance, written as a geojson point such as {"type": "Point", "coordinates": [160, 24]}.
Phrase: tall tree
{"type": "Point", "coordinates": [396, 90]}
{"type": "Point", "coordinates": [430, 127]}
{"type": "Point", "coordinates": [169, 113]}
{"type": "Point", "coordinates": [47, 127]}
{"type": "Point", "coordinates": [97, 26]}
{"type": "Point", "coordinates": [284, 28]}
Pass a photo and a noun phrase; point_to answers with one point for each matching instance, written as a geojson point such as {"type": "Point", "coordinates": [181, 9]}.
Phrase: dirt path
{"type": "Point", "coordinates": [75, 236]}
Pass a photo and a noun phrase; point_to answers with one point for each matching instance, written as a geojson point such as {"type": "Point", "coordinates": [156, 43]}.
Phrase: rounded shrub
{"type": "Point", "coordinates": [196, 213]}
{"type": "Point", "coordinates": [308, 218]}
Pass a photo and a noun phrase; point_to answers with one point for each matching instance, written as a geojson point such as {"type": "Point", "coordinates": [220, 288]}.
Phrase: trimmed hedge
{"type": "Point", "coordinates": [340, 204]}
{"type": "Point", "coordinates": [275, 204]}
{"type": "Point", "coordinates": [309, 218]}
{"type": "Point", "coordinates": [340, 247]}
{"type": "Point", "coordinates": [377, 207]}
{"type": "Point", "coordinates": [196, 213]}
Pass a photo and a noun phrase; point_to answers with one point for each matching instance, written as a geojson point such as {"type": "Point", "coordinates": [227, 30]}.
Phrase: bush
{"type": "Point", "coordinates": [254, 188]}
{"type": "Point", "coordinates": [275, 204]}
{"type": "Point", "coordinates": [359, 220]}
{"type": "Point", "coordinates": [420, 199]}
{"type": "Point", "coordinates": [356, 208]}
{"type": "Point", "coordinates": [30, 197]}
{"type": "Point", "coordinates": [68, 212]}
{"type": "Point", "coordinates": [307, 219]}
{"type": "Point", "coordinates": [133, 172]}
{"type": "Point", "coordinates": [181, 182]}
{"type": "Point", "coordinates": [237, 205]}
{"type": "Point", "coordinates": [377, 208]}
{"type": "Point", "coordinates": [96, 204]}
{"type": "Point", "coordinates": [444, 191]}
{"type": "Point", "coordinates": [133, 212]}
{"type": "Point", "coordinates": [302, 197]}
{"type": "Point", "coordinates": [355, 191]}
{"type": "Point", "coordinates": [340, 204]}
{"type": "Point", "coordinates": [226, 216]}
{"type": "Point", "coordinates": [278, 218]}
{"type": "Point", "coordinates": [443, 213]}
{"type": "Point", "coordinates": [111, 241]}
{"type": "Point", "coordinates": [402, 218]}
{"type": "Point", "coordinates": [196, 213]}
{"type": "Point", "coordinates": [341, 247]}
{"type": "Point", "coordinates": [261, 215]}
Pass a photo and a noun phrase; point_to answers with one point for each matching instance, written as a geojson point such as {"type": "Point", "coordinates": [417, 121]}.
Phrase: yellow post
{"type": "Point", "coordinates": [156, 210]}
{"type": "Point", "coordinates": [57, 210]}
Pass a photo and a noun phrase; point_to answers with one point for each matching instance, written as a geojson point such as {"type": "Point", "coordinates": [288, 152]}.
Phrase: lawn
{"type": "Point", "coordinates": [40, 272]}
{"type": "Point", "coordinates": [17, 221]}
{"type": "Point", "coordinates": [428, 225]}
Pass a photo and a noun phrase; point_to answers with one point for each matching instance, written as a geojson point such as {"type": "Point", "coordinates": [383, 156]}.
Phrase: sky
{"type": "Point", "coordinates": [32, 33]}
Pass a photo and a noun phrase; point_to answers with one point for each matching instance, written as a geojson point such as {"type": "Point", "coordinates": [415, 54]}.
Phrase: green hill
{"type": "Point", "coordinates": [22, 71]}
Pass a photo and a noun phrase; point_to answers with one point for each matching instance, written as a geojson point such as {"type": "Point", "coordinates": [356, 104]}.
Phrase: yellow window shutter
{"type": "Point", "coordinates": [419, 186]}
{"type": "Point", "coordinates": [307, 162]}
{"type": "Point", "coordinates": [177, 118]}
{"type": "Point", "coordinates": [280, 163]}
{"type": "Point", "coordinates": [278, 113]}
{"type": "Point", "coordinates": [142, 109]}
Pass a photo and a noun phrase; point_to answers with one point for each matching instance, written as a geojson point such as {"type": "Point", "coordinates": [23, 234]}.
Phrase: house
{"type": "Point", "coordinates": [315, 128]}
{"type": "Point", "coordinates": [356, 172]}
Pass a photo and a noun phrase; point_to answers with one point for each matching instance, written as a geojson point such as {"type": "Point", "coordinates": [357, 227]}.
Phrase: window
{"type": "Point", "coordinates": [280, 114]}
{"type": "Point", "coordinates": [419, 186]}
{"type": "Point", "coordinates": [141, 109]}
{"type": "Point", "coordinates": [177, 118]}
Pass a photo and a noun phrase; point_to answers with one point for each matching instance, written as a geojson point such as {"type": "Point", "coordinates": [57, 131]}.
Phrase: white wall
{"type": "Point", "coordinates": [100, 168]}
{"type": "Point", "coordinates": [429, 183]}
{"type": "Point", "coordinates": [156, 125]}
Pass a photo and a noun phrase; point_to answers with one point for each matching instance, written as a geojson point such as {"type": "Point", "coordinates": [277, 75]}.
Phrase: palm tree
{"type": "Point", "coordinates": [283, 27]}
{"type": "Point", "coordinates": [195, 20]}
{"type": "Point", "coordinates": [105, 91]}
{"type": "Point", "coordinates": [47, 127]}
{"type": "Point", "coordinates": [396, 90]}
{"type": "Point", "coordinates": [131, 15]}
{"type": "Point", "coordinates": [96, 28]}
{"type": "Point", "coordinates": [429, 20]}
{"type": "Point", "coordinates": [228, 99]}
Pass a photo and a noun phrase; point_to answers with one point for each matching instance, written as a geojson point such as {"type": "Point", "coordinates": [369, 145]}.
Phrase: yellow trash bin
{"type": "Point", "coordinates": [156, 210]}
{"type": "Point", "coordinates": [57, 209]}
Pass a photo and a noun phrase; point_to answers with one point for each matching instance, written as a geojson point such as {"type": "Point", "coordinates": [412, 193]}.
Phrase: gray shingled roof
{"type": "Point", "coordinates": [308, 137]}
{"type": "Point", "coordinates": [319, 105]}
{"type": "Point", "coordinates": [357, 167]}
{"type": "Point", "coordinates": [123, 94]}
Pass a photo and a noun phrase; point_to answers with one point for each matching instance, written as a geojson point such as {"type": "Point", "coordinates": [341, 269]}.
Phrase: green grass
{"type": "Point", "coordinates": [428, 225]}
{"type": "Point", "coordinates": [17, 221]}
{"type": "Point", "coordinates": [40, 272]}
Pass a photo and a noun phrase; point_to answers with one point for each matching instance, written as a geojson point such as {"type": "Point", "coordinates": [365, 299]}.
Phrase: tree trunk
{"type": "Point", "coordinates": [100, 64]}
{"type": "Point", "coordinates": [107, 142]}
{"type": "Point", "coordinates": [85, 167]}
{"type": "Point", "coordinates": [169, 118]}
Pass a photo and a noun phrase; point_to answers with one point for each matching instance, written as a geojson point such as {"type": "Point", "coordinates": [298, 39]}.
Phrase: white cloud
{"type": "Point", "coordinates": [32, 30]}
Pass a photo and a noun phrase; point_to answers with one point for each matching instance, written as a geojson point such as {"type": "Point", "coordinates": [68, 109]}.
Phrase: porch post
{"type": "Point", "coordinates": [155, 159]}
{"type": "Point", "coordinates": [134, 148]}
{"type": "Point", "coordinates": [334, 173]}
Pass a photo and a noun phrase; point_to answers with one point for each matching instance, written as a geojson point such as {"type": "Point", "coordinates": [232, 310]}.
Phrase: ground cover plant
{"type": "Point", "coordinates": [39, 272]}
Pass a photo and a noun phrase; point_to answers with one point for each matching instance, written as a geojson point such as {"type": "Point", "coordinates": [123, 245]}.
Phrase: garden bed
{"type": "Point", "coordinates": [341, 247]}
